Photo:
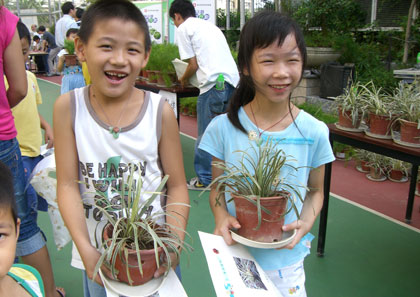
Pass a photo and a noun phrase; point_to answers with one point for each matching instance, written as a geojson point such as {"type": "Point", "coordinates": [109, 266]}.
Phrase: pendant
{"type": "Point", "coordinates": [115, 131]}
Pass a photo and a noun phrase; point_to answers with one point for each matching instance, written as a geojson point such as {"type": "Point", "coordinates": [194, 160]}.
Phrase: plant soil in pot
{"type": "Point", "coordinates": [270, 229]}
{"type": "Point", "coordinates": [70, 60]}
{"type": "Point", "coordinates": [148, 261]}
{"type": "Point", "coordinates": [379, 125]}
{"type": "Point", "coordinates": [409, 132]}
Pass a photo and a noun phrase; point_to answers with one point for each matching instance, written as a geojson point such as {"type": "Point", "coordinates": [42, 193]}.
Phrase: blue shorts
{"type": "Point", "coordinates": [30, 238]}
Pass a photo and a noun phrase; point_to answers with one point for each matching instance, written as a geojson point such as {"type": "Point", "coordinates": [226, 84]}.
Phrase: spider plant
{"type": "Point", "coordinates": [376, 100]}
{"type": "Point", "coordinates": [257, 175]}
{"type": "Point", "coordinates": [352, 100]}
{"type": "Point", "coordinates": [136, 228]}
{"type": "Point", "coordinates": [407, 102]}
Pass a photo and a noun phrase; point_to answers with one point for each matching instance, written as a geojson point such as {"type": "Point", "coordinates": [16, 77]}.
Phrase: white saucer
{"type": "Point", "coordinates": [360, 129]}
{"type": "Point", "coordinates": [380, 136]}
{"type": "Point", "coordinates": [123, 289]}
{"type": "Point", "coordinates": [286, 239]}
{"type": "Point", "coordinates": [360, 169]}
{"type": "Point", "coordinates": [383, 178]}
{"type": "Point", "coordinates": [402, 180]}
{"type": "Point", "coordinates": [397, 139]}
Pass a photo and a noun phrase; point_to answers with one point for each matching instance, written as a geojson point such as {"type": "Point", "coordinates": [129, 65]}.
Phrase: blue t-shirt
{"type": "Point", "coordinates": [307, 145]}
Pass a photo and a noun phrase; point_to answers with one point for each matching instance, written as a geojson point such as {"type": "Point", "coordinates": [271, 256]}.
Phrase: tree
{"type": "Point", "coordinates": [408, 30]}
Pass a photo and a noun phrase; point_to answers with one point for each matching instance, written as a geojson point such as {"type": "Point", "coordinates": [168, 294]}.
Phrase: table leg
{"type": "Point", "coordinates": [322, 232]}
{"type": "Point", "coordinates": [411, 193]}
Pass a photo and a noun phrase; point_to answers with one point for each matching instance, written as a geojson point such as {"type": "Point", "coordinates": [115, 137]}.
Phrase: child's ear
{"type": "Point", "coordinates": [17, 227]}
{"type": "Point", "coordinates": [80, 47]}
{"type": "Point", "coordinates": [245, 71]}
{"type": "Point", "coordinates": [146, 59]}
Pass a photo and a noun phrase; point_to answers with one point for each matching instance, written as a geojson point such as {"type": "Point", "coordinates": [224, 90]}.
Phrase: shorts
{"type": "Point", "coordinates": [290, 280]}
{"type": "Point", "coordinates": [30, 237]}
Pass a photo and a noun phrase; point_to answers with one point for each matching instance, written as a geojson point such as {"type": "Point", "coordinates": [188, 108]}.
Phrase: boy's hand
{"type": "Point", "coordinates": [302, 229]}
{"type": "Point", "coordinates": [49, 138]}
{"type": "Point", "coordinates": [223, 227]}
{"type": "Point", "coordinates": [162, 267]}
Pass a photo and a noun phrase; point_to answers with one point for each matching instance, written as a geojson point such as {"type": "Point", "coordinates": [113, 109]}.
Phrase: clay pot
{"type": "Point", "coordinates": [364, 166]}
{"type": "Point", "coordinates": [70, 60]}
{"type": "Point", "coordinates": [409, 132]}
{"type": "Point", "coordinates": [379, 124]}
{"type": "Point", "coordinates": [396, 174]}
{"type": "Point", "coordinates": [375, 173]}
{"type": "Point", "coordinates": [152, 75]}
{"type": "Point", "coordinates": [148, 261]}
{"type": "Point", "coordinates": [345, 120]}
{"type": "Point", "coordinates": [271, 224]}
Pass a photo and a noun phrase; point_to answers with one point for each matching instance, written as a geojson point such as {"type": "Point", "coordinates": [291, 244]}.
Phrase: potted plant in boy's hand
{"type": "Point", "coordinates": [260, 189]}
{"type": "Point", "coordinates": [135, 243]}
{"type": "Point", "coordinates": [70, 59]}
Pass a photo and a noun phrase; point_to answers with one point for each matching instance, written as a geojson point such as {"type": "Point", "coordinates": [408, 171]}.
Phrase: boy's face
{"type": "Point", "coordinates": [25, 48]}
{"type": "Point", "coordinates": [72, 36]}
{"type": "Point", "coordinates": [113, 56]}
{"type": "Point", "coordinates": [9, 233]}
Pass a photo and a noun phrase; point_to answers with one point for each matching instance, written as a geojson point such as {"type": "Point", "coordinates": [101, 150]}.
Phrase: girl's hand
{"type": "Point", "coordinates": [223, 227]}
{"type": "Point", "coordinates": [49, 138]}
{"type": "Point", "coordinates": [90, 259]}
{"type": "Point", "coordinates": [163, 266]}
{"type": "Point", "coordinates": [302, 227]}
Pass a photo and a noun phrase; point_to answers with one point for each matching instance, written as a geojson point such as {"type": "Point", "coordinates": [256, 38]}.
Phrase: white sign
{"type": "Point", "coordinates": [152, 12]}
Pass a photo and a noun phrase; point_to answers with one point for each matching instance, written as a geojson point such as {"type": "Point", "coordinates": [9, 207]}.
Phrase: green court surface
{"type": "Point", "coordinates": [366, 254]}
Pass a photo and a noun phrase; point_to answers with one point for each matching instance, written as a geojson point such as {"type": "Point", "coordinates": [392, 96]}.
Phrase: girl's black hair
{"type": "Point", "coordinates": [184, 7]}
{"type": "Point", "coordinates": [23, 31]}
{"type": "Point", "coordinates": [113, 9]}
{"type": "Point", "coordinates": [259, 32]}
{"type": "Point", "coordinates": [7, 197]}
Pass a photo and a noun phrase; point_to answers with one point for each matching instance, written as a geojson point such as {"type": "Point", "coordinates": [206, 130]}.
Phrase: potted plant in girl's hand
{"type": "Point", "coordinates": [260, 189]}
{"type": "Point", "coordinates": [379, 106]}
{"type": "Point", "coordinates": [70, 59]}
{"type": "Point", "coordinates": [135, 243]}
{"type": "Point", "coordinates": [407, 110]}
{"type": "Point", "coordinates": [350, 106]}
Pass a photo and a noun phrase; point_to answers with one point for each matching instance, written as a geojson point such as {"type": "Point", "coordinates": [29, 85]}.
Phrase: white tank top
{"type": "Point", "coordinates": [103, 160]}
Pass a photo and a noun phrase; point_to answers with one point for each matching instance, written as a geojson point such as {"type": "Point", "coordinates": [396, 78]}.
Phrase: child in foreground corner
{"type": "Point", "coordinates": [110, 122]}
{"type": "Point", "coordinates": [271, 59]}
{"type": "Point", "coordinates": [17, 280]}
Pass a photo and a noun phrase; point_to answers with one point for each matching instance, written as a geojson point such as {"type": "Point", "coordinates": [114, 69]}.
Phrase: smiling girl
{"type": "Point", "coordinates": [103, 128]}
{"type": "Point", "coordinates": [271, 58]}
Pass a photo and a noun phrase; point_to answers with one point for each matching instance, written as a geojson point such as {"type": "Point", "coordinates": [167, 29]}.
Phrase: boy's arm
{"type": "Point", "coordinates": [312, 206]}
{"type": "Point", "coordinates": [192, 68]}
{"type": "Point", "coordinates": [48, 132]}
{"type": "Point", "coordinates": [60, 64]}
{"type": "Point", "coordinates": [170, 153]}
{"type": "Point", "coordinates": [68, 195]}
{"type": "Point", "coordinates": [223, 220]}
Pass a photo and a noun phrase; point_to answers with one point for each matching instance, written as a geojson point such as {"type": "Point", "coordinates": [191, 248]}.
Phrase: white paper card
{"type": "Point", "coordinates": [171, 99]}
{"type": "Point", "coordinates": [171, 287]}
{"type": "Point", "coordinates": [234, 271]}
{"type": "Point", "coordinates": [180, 67]}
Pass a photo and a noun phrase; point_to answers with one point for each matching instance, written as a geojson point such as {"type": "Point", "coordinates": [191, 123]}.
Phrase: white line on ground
{"type": "Point", "coordinates": [43, 79]}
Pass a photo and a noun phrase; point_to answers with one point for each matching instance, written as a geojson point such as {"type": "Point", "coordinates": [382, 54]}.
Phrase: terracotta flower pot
{"type": "Point", "coordinates": [379, 124]}
{"type": "Point", "coordinates": [364, 166]}
{"type": "Point", "coordinates": [271, 224]}
{"type": "Point", "coordinates": [375, 173]}
{"type": "Point", "coordinates": [396, 175]}
{"type": "Point", "coordinates": [148, 260]}
{"type": "Point", "coordinates": [409, 132]}
{"type": "Point", "coordinates": [345, 120]}
{"type": "Point", "coordinates": [152, 75]}
{"type": "Point", "coordinates": [70, 60]}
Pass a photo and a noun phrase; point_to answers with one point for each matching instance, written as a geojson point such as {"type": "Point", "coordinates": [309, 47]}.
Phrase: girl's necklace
{"type": "Point", "coordinates": [114, 130]}
{"type": "Point", "coordinates": [261, 131]}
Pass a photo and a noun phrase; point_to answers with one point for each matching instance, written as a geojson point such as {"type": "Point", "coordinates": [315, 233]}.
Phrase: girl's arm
{"type": "Point", "coordinates": [312, 206]}
{"type": "Point", "coordinates": [170, 152]}
{"type": "Point", "coordinates": [60, 64]}
{"type": "Point", "coordinates": [14, 69]}
{"type": "Point", "coordinates": [68, 194]}
{"type": "Point", "coordinates": [223, 220]}
{"type": "Point", "coordinates": [48, 132]}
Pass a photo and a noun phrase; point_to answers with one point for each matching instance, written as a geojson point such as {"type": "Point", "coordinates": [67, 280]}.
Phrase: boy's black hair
{"type": "Point", "coordinates": [7, 197]}
{"type": "Point", "coordinates": [66, 7]}
{"type": "Point", "coordinates": [79, 12]}
{"type": "Point", "coordinates": [72, 31]}
{"type": "Point", "coordinates": [41, 28]}
{"type": "Point", "coordinates": [260, 31]}
{"type": "Point", "coordinates": [103, 10]}
{"type": "Point", "coordinates": [35, 38]}
{"type": "Point", "coordinates": [23, 31]}
{"type": "Point", "coordinates": [183, 7]}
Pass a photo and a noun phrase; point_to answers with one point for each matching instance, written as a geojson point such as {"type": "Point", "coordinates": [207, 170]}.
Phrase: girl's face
{"type": "Point", "coordinates": [25, 48]}
{"type": "Point", "coordinates": [114, 54]}
{"type": "Point", "coordinates": [8, 238]}
{"type": "Point", "coordinates": [276, 70]}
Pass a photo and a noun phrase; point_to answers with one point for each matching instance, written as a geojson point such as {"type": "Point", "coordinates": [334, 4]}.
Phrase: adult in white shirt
{"type": "Point", "coordinates": [64, 23]}
{"type": "Point", "coordinates": [204, 46]}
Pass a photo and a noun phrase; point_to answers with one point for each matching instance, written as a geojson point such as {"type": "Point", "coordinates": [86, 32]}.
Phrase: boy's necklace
{"type": "Point", "coordinates": [114, 130]}
{"type": "Point", "coordinates": [261, 131]}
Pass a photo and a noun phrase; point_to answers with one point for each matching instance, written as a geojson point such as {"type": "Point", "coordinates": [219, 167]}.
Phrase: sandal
{"type": "Point", "coordinates": [61, 291]}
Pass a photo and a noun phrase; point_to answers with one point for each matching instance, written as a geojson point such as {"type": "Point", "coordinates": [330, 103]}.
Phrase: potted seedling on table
{"type": "Point", "coordinates": [350, 107]}
{"type": "Point", "coordinates": [380, 113]}
{"type": "Point", "coordinates": [260, 188]}
{"type": "Point", "coordinates": [135, 240]}
{"type": "Point", "coordinates": [70, 59]}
